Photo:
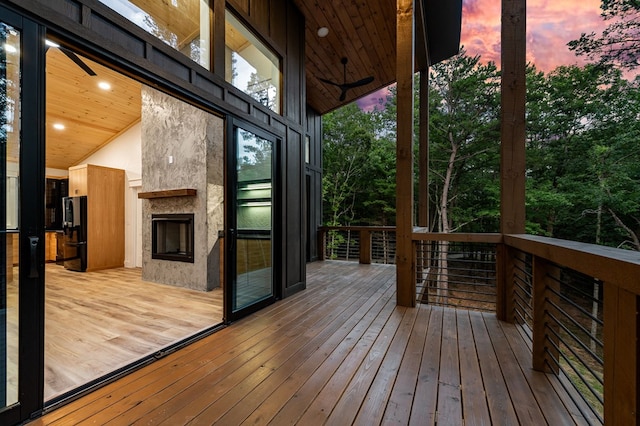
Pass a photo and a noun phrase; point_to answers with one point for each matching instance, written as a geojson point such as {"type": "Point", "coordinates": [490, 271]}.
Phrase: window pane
{"type": "Point", "coordinates": [182, 24]}
{"type": "Point", "coordinates": [250, 65]}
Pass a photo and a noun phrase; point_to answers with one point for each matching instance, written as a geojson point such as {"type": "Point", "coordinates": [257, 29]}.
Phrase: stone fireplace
{"type": "Point", "coordinates": [182, 187]}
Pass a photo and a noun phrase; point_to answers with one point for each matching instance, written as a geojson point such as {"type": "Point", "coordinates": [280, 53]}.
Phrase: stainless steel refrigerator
{"type": "Point", "coordinates": [74, 225]}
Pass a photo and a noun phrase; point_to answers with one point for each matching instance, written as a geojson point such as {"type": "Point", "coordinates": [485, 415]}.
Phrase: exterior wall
{"type": "Point", "coordinates": [103, 35]}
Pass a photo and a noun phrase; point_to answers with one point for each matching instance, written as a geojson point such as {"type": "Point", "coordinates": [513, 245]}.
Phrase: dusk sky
{"type": "Point", "coordinates": [551, 24]}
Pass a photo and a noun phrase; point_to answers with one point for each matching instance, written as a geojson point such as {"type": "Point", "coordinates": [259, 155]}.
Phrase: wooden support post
{"type": "Point", "coordinates": [365, 246]}
{"type": "Point", "coordinates": [545, 355]}
{"type": "Point", "coordinates": [513, 92]}
{"type": "Point", "coordinates": [620, 356]}
{"type": "Point", "coordinates": [405, 270]}
{"type": "Point", "coordinates": [322, 235]}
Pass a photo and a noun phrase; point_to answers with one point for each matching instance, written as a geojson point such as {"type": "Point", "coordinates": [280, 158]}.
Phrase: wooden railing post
{"type": "Point", "coordinates": [505, 259]}
{"type": "Point", "coordinates": [322, 234]}
{"type": "Point", "coordinates": [545, 356]}
{"type": "Point", "coordinates": [620, 356]}
{"type": "Point", "coordinates": [365, 246]}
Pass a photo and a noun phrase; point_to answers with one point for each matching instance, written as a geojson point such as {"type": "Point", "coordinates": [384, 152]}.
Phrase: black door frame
{"type": "Point", "coordinates": [31, 222]}
{"type": "Point", "coordinates": [231, 225]}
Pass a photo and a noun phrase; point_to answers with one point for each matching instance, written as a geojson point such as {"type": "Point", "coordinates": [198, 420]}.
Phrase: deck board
{"type": "Point", "coordinates": [340, 352]}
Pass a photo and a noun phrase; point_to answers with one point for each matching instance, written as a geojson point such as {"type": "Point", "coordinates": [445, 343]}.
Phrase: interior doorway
{"type": "Point", "coordinates": [94, 131]}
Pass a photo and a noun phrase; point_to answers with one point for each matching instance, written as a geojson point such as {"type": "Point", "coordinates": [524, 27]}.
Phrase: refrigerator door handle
{"type": "Point", "coordinates": [33, 250]}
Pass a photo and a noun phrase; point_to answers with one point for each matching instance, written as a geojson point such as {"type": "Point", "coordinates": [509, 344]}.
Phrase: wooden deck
{"type": "Point", "coordinates": [340, 352]}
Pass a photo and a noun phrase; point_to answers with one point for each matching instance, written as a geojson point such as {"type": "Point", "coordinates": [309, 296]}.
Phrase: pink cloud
{"type": "Point", "coordinates": [550, 26]}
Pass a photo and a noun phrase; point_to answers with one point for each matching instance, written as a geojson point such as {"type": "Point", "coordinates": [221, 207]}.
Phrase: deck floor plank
{"type": "Point", "coordinates": [498, 400]}
{"type": "Point", "coordinates": [525, 404]}
{"type": "Point", "coordinates": [449, 392]}
{"type": "Point", "coordinates": [425, 402]}
{"type": "Point", "coordinates": [398, 407]}
{"type": "Point", "coordinates": [475, 409]}
{"type": "Point", "coordinates": [340, 352]}
{"type": "Point", "coordinates": [372, 410]}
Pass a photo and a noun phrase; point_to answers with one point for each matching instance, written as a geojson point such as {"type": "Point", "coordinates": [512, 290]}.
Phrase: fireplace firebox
{"type": "Point", "coordinates": [172, 236]}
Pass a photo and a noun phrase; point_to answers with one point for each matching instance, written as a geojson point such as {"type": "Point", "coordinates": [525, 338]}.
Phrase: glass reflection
{"type": "Point", "coordinates": [182, 24]}
{"type": "Point", "coordinates": [254, 219]}
{"type": "Point", "coordinates": [9, 151]}
{"type": "Point", "coordinates": [250, 65]}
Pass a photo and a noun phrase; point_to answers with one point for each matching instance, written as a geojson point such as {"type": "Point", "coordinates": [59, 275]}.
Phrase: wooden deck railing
{"type": "Point", "coordinates": [367, 244]}
{"type": "Point", "coordinates": [576, 304]}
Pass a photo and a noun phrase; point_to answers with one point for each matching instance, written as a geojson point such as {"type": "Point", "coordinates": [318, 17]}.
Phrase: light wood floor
{"type": "Point", "coordinates": [97, 322]}
{"type": "Point", "coordinates": [340, 352]}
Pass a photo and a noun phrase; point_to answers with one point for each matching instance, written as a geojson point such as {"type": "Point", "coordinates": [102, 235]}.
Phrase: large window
{"type": "Point", "coordinates": [250, 65]}
{"type": "Point", "coordinates": [182, 24]}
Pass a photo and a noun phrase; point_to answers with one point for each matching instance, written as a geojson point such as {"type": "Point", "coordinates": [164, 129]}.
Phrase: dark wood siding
{"type": "Point", "coordinates": [294, 241]}
{"type": "Point", "coordinates": [313, 172]}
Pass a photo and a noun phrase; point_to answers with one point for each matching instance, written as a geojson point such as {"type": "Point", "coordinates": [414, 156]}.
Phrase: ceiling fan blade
{"type": "Point", "coordinates": [77, 61]}
{"type": "Point", "coordinates": [359, 83]}
{"type": "Point", "coordinates": [324, 80]}
{"type": "Point", "coordinates": [343, 94]}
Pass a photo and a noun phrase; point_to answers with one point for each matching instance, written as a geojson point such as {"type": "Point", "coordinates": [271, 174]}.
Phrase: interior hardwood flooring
{"type": "Point", "coordinates": [340, 352]}
{"type": "Point", "coordinates": [97, 322]}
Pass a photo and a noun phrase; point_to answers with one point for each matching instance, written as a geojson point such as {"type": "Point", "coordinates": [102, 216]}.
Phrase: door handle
{"type": "Point", "coordinates": [232, 237]}
{"type": "Point", "coordinates": [33, 250]}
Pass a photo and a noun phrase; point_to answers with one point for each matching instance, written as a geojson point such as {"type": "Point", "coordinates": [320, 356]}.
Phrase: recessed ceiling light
{"type": "Point", "coordinates": [51, 43]}
{"type": "Point", "coordinates": [58, 126]}
{"type": "Point", "coordinates": [323, 31]}
{"type": "Point", "coordinates": [10, 48]}
{"type": "Point", "coordinates": [104, 85]}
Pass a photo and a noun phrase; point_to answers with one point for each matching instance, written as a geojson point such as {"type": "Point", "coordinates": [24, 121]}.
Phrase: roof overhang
{"type": "Point", "coordinates": [365, 34]}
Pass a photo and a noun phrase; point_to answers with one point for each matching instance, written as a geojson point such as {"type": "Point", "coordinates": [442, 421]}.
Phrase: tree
{"type": "Point", "coordinates": [464, 144]}
{"type": "Point", "coordinates": [464, 152]}
{"type": "Point", "coordinates": [619, 43]}
{"type": "Point", "coordinates": [582, 156]}
{"type": "Point", "coordinates": [348, 136]}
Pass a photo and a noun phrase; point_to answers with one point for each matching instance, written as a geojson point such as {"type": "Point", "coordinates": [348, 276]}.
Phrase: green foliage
{"type": "Point", "coordinates": [619, 43]}
{"type": "Point", "coordinates": [583, 161]}
{"type": "Point", "coordinates": [464, 145]}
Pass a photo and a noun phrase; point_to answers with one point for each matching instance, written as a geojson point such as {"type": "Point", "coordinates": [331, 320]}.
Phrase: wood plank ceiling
{"type": "Point", "coordinates": [362, 31]}
{"type": "Point", "coordinates": [92, 117]}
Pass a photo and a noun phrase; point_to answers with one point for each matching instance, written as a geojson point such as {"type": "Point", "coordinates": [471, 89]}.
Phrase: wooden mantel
{"type": "Point", "coordinates": [183, 192]}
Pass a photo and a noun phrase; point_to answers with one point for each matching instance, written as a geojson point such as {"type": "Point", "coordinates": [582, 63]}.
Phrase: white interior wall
{"type": "Point", "coordinates": [125, 152]}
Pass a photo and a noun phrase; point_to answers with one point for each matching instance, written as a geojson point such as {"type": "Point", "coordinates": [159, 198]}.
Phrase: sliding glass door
{"type": "Point", "coordinates": [21, 228]}
{"type": "Point", "coordinates": [251, 269]}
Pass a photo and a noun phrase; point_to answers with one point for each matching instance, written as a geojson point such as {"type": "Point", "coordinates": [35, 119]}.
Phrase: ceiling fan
{"type": "Point", "coordinates": [344, 86]}
{"type": "Point", "coordinates": [71, 55]}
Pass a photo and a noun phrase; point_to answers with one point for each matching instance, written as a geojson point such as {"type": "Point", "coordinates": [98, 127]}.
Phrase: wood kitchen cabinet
{"type": "Point", "coordinates": [104, 188]}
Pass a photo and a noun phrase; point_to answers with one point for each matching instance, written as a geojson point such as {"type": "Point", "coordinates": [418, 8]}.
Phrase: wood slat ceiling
{"type": "Point", "coordinates": [92, 117]}
{"type": "Point", "coordinates": [362, 31]}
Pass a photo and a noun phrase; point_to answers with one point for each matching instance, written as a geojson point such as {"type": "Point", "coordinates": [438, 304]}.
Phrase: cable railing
{"type": "Point", "coordinates": [365, 244]}
{"type": "Point", "coordinates": [578, 306]}
{"type": "Point", "coordinates": [573, 327]}
{"type": "Point", "coordinates": [456, 274]}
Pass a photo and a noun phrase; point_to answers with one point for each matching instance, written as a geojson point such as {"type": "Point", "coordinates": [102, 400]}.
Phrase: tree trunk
{"type": "Point", "coordinates": [445, 228]}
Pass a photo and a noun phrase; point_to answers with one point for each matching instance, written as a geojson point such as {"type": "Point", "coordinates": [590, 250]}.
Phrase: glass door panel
{"type": "Point", "coordinates": [253, 213]}
{"type": "Point", "coordinates": [10, 45]}
{"type": "Point", "coordinates": [21, 224]}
